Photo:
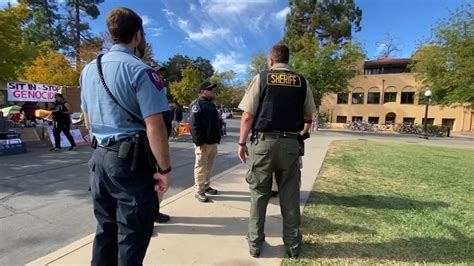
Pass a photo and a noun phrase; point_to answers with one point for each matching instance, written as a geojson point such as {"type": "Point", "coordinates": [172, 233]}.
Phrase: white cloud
{"type": "Point", "coordinates": [207, 33]}
{"type": "Point", "coordinates": [281, 15]}
{"type": "Point", "coordinates": [202, 33]}
{"type": "Point", "coordinates": [147, 20]}
{"type": "Point", "coordinates": [380, 48]}
{"type": "Point", "coordinates": [239, 43]}
{"type": "Point", "coordinates": [155, 32]}
{"type": "Point", "coordinates": [225, 62]}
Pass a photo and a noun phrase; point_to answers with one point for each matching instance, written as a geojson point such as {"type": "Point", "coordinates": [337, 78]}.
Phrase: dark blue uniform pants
{"type": "Point", "coordinates": [125, 205]}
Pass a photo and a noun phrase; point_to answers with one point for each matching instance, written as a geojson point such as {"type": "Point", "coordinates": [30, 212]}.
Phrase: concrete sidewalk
{"type": "Point", "coordinates": [210, 233]}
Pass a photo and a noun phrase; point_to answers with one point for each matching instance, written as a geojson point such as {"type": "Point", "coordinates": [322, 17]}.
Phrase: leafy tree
{"type": "Point", "coordinates": [204, 66]}
{"type": "Point", "coordinates": [43, 26]}
{"type": "Point", "coordinates": [329, 20]}
{"type": "Point", "coordinates": [327, 68]}
{"type": "Point", "coordinates": [186, 90]}
{"type": "Point", "coordinates": [175, 66]}
{"type": "Point", "coordinates": [259, 63]}
{"type": "Point", "coordinates": [445, 64]}
{"type": "Point", "coordinates": [15, 51]}
{"type": "Point", "coordinates": [148, 57]}
{"type": "Point", "coordinates": [76, 29]}
{"type": "Point", "coordinates": [89, 51]}
{"type": "Point", "coordinates": [51, 68]}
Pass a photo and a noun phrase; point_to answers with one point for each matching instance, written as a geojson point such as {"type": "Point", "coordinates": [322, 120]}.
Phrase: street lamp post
{"type": "Point", "coordinates": [428, 95]}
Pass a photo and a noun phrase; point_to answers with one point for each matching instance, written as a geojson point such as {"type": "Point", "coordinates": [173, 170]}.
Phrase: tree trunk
{"type": "Point", "coordinates": [78, 33]}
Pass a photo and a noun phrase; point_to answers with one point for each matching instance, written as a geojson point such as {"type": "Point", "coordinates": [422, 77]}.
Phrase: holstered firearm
{"type": "Point", "coordinates": [301, 140]}
{"type": "Point", "coordinates": [142, 152]}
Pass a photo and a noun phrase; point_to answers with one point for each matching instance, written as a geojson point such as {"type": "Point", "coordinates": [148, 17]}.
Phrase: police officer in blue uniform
{"type": "Point", "coordinates": [123, 103]}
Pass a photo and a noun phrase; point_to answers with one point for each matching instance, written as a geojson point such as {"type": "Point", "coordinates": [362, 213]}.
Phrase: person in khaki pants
{"type": "Point", "coordinates": [206, 134]}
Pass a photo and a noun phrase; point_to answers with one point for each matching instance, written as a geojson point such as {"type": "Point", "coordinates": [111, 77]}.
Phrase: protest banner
{"type": "Point", "coordinates": [31, 92]}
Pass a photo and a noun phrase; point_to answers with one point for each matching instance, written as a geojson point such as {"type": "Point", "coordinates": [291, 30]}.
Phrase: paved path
{"type": "Point", "coordinates": [44, 202]}
{"type": "Point", "coordinates": [211, 233]}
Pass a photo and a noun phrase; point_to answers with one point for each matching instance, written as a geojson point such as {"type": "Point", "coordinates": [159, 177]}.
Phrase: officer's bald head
{"type": "Point", "coordinates": [123, 24]}
{"type": "Point", "coordinates": [280, 53]}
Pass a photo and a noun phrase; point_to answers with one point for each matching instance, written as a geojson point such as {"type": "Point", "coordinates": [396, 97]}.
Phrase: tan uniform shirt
{"type": "Point", "coordinates": [251, 98]}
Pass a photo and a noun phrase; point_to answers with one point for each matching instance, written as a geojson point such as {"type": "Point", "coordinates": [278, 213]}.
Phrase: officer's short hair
{"type": "Point", "coordinates": [123, 23]}
{"type": "Point", "coordinates": [280, 53]}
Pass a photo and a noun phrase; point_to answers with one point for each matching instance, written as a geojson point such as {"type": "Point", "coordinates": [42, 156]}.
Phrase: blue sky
{"type": "Point", "coordinates": [229, 32]}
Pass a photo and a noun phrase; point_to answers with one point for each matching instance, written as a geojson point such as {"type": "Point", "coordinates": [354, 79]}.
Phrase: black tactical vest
{"type": "Point", "coordinates": [281, 105]}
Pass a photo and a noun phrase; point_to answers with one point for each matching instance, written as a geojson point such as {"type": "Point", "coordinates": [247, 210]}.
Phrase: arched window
{"type": "Point", "coordinates": [390, 95]}
{"type": "Point", "coordinates": [358, 96]}
{"type": "Point", "coordinates": [390, 118]}
{"type": "Point", "coordinates": [408, 95]}
{"type": "Point", "coordinates": [373, 96]}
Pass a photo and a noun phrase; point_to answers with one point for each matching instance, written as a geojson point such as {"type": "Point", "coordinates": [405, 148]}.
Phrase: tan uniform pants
{"type": "Point", "coordinates": [203, 166]}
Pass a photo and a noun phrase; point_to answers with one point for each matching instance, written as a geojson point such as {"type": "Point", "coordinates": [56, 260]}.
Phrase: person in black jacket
{"type": "Point", "coordinates": [62, 122]}
{"type": "Point", "coordinates": [206, 135]}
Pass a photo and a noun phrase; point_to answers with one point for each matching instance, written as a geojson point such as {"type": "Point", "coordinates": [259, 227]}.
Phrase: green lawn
{"type": "Point", "coordinates": [381, 202]}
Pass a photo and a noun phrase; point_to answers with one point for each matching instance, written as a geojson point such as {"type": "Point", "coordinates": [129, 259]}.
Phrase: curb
{"type": "Point", "coordinates": [72, 247]}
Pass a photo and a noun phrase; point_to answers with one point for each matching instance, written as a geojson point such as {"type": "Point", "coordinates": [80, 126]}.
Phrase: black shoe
{"type": "Point", "coordinates": [293, 256]}
{"type": "Point", "coordinates": [211, 191]}
{"type": "Point", "coordinates": [162, 218]}
{"type": "Point", "coordinates": [293, 253]}
{"type": "Point", "coordinates": [254, 253]}
{"type": "Point", "coordinates": [274, 194]}
{"type": "Point", "coordinates": [72, 147]}
{"type": "Point", "coordinates": [55, 149]}
{"type": "Point", "coordinates": [201, 197]}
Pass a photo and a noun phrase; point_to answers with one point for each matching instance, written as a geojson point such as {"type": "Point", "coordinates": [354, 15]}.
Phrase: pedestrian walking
{"type": "Point", "coordinates": [61, 111]}
{"type": "Point", "coordinates": [206, 134]}
{"type": "Point", "coordinates": [123, 102]}
{"type": "Point", "coordinates": [276, 105]}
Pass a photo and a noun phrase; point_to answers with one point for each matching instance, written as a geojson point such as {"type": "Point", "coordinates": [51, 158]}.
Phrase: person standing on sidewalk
{"type": "Point", "coordinates": [206, 134]}
{"type": "Point", "coordinates": [123, 102]}
{"type": "Point", "coordinates": [276, 106]}
{"type": "Point", "coordinates": [160, 71]}
{"type": "Point", "coordinates": [303, 136]}
{"type": "Point", "coordinates": [61, 122]}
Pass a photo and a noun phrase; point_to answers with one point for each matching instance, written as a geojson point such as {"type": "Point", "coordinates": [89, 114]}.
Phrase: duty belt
{"type": "Point", "coordinates": [115, 146]}
{"type": "Point", "coordinates": [280, 134]}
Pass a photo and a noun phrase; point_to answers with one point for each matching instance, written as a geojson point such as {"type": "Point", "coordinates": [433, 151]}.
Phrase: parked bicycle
{"type": "Point", "coordinates": [409, 128]}
{"type": "Point", "coordinates": [359, 125]}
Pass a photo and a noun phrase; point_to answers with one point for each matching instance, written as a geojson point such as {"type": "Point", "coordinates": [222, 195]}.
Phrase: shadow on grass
{"type": "Point", "coordinates": [325, 226]}
{"type": "Point", "coordinates": [376, 202]}
{"type": "Point", "coordinates": [459, 249]}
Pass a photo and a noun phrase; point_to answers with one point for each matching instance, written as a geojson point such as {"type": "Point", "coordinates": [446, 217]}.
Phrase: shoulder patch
{"type": "Point", "coordinates": [195, 108]}
{"type": "Point", "coordinates": [155, 78]}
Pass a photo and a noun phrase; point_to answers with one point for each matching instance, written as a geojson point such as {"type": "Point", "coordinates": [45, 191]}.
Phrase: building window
{"type": "Point", "coordinates": [358, 98]}
{"type": "Point", "coordinates": [373, 119]}
{"type": "Point", "coordinates": [430, 121]}
{"type": "Point", "coordinates": [342, 98]}
{"type": "Point", "coordinates": [448, 122]}
{"type": "Point", "coordinates": [356, 118]}
{"type": "Point", "coordinates": [408, 120]}
{"type": "Point", "coordinates": [408, 98]}
{"type": "Point", "coordinates": [389, 97]}
{"type": "Point", "coordinates": [390, 118]}
{"type": "Point", "coordinates": [385, 70]}
{"type": "Point", "coordinates": [341, 119]}
{"type": "Point", "coordinates": [373, 98]}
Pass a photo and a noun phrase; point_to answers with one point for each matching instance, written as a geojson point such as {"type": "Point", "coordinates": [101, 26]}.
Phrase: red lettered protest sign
{"type": "Point", "coordinates": [31, 92]}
